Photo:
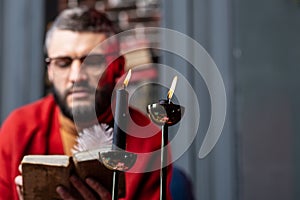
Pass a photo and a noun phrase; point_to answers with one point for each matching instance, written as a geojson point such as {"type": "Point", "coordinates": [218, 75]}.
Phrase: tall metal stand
{"type": "Point", "coordinates": [163, 163]}
{"type": "Point", "coordinates": [115, 190]}
{"type": "Point", "coordinates": [166, 114]}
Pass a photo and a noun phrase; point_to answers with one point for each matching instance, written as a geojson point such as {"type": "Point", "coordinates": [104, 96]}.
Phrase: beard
{"type": "Point", "coordinates": [85, 114]}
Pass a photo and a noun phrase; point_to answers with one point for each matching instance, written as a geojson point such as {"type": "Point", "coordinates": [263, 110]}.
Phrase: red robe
{"type": "Point", "coordinates": [34, 129]}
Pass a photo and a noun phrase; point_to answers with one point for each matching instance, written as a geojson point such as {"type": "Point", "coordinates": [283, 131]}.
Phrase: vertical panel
{"type": "Point", "coordinates": [22, 66]}
{"type": "Point", "coordinates": [221, 34]}
{"type": "Point", "coordinates": [267, 58]}
{"type": "Point", "coordinates": [208, 22]}
{"type": "Point", "coordinates": [1, 50]}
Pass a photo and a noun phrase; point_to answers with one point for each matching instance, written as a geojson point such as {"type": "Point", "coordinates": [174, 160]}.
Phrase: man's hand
{"type": "Point", "coordinates": [85, 192]}
{"type": "Point", "coordinates": [19, 184]}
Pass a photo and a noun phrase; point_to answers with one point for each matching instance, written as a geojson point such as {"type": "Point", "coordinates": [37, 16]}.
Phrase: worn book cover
{"type": "Point", "coordinates": [43, 173]}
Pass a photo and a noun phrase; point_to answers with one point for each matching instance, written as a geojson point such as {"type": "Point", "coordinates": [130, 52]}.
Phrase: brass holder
{"type": "Point", "coordinates": [165, 114]}
{"type": "Point", "coordinates": [117, 160]}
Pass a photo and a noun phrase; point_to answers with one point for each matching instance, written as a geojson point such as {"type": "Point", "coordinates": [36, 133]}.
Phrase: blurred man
{"type": "Point", "coordinates": [83, 74]}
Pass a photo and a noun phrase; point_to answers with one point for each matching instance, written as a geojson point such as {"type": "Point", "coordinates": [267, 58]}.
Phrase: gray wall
{"type": "Point", "coordinates": [21, 64]}
{"type": "Point", "coordinates": [256, 46]}
{"type": "Point", "coordinates": [267, 47]}
{"type": "Point", "coordinates": [209, 23]}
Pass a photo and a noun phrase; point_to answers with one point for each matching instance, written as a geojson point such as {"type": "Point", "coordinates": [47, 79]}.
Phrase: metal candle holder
{"type": "Point", "coordinates": [117, 160]}
{"type": "Point", "coordinates": [165, 114]}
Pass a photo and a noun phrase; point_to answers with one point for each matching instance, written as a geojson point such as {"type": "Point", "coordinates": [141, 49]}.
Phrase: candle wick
{"type": "Point", "coordinates": [169, 100]}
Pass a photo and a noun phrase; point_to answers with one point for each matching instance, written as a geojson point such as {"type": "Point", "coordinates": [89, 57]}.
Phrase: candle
{"type": "Point", "coordinates": [121, 113]}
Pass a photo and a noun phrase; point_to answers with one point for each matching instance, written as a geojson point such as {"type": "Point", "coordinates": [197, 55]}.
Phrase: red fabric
{"type": "Point", "coordinates": [34, 129]}
{"type": "Point", "coordinates": [113, 71]}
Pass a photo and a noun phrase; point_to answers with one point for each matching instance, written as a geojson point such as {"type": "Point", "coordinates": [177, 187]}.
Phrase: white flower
{"type": "Point", "coordinates": [97, 136]}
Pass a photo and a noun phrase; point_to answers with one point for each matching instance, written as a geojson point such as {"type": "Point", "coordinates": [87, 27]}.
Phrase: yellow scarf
{"type": "Point", "coordinates": [68, 134]}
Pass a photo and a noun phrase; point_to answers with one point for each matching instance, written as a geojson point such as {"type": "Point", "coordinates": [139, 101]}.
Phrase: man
{"type": "Point", "coordinates": [83, 74]}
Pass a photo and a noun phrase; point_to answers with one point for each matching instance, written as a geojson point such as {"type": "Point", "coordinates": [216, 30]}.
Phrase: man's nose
{"type": "Point", "coordinates": [76, 73]}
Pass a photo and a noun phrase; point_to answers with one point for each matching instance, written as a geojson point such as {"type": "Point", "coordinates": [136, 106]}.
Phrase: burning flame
{"type": "Point", "coordinates": [172, 88]}
{"type": "Point", "coordinates": [126, 81]}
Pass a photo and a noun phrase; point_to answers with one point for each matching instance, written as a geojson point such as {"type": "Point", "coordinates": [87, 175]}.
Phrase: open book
{"type": "Point", "coordinates": [43, 173]}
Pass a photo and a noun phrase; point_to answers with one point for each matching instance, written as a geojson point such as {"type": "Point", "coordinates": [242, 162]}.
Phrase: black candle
{"type": "Point", "coordinates": [121, 114]}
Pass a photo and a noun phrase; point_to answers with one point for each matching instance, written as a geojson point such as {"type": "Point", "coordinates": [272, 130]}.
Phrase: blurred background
{"type": "Point", "coordinates": [256, 46]}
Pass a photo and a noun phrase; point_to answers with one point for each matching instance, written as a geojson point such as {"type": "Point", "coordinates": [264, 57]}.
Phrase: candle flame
{"type": "Point", "coordinates": [126, 81]}
{"type": "Point", "coordinates": [172, 88]}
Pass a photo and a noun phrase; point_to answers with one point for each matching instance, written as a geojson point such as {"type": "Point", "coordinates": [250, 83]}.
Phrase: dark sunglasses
{"type": "Point", "coordinates": [87, 60]}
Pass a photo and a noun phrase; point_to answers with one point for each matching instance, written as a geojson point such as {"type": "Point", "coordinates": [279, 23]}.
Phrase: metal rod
{"type": "Point", "coordinates": [163, 166]}
{"type": "Point", "coordinates": [115, 190]}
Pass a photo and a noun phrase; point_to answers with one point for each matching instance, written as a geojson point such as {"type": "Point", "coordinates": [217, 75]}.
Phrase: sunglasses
{"type": "Point", "coordinates": [62, 62]}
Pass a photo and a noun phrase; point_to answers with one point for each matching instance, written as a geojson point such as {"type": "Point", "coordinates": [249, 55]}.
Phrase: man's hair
{"type": "Point", "coordinates": [81, 19]}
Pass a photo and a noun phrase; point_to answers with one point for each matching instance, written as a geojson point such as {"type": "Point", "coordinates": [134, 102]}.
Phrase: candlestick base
{"type": "Point", "coordinates": [117, 160]}
{"type": "Point", "coordinates": [165, 112]}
